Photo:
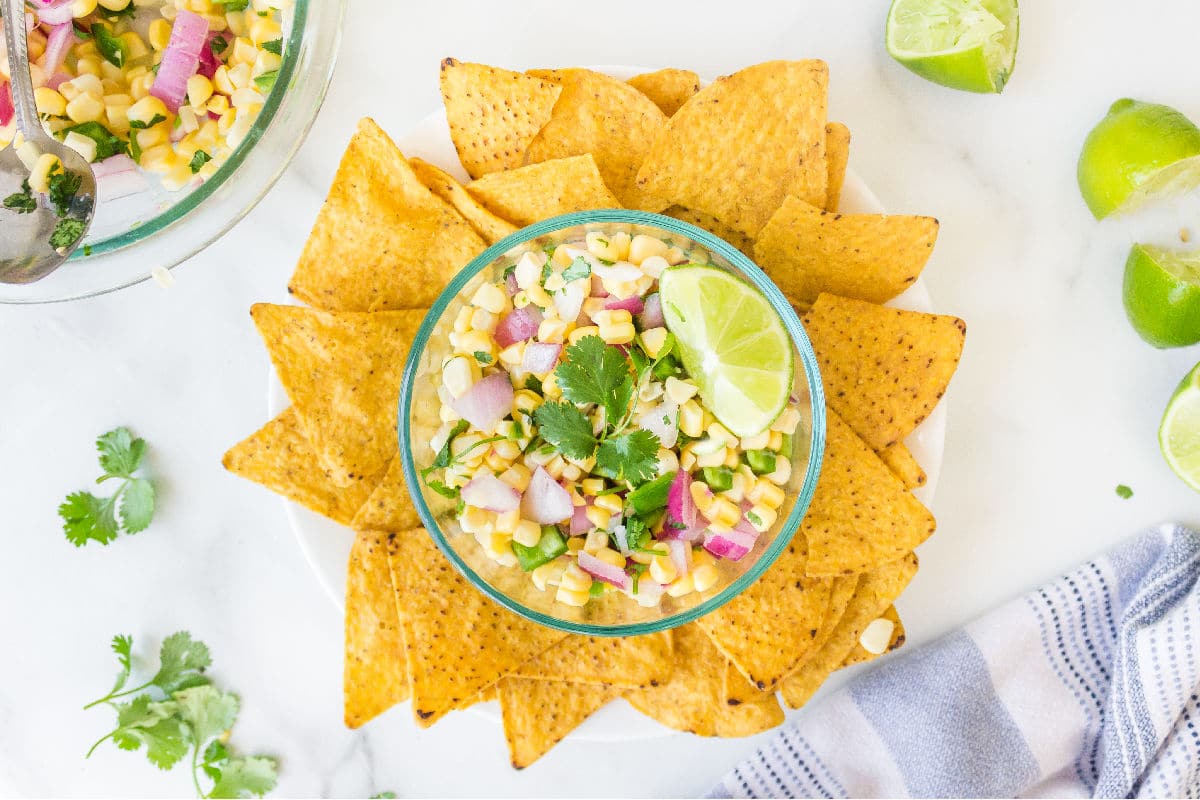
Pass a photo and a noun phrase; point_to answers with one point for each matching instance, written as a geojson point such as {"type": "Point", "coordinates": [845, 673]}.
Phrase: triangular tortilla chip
{"type": "Point", "coordinates": [441, 183]}
{"type": "Point", "coordinates": [740, 145]}
{"type": "Point", "coordinates": [382, 241]}
{"type": "Point", "coordinates": [668, 88]}
{"type": "Point", "coordinates": [693, 699]}
{"type": "Point", "coordinates": [629, 662]}
{"type": "Point", "coordinates": [374, 673]}
{"type": "Point", "coordinates": [280, 458]}
{"type": "Point", "coordinates": [390, 507]}
{"type": "Point", "coordinates": [860, 655]}
{"type": "Point", "coordinates": [807, 250]}
{"type": "Point", "coordinates": [766, 630]}
{"type": "Point", "coordinates": [539, 714]}
{"type": "Point", "coordinates": [540, 191]}
{"type": "Point", "coordinates": [884, 368]}
{"type": "Point", "coordinates": [714, 226]}
{"type": "Point", "coordinates": [342, 372]}
{"type": "Point", "coordinates": [457, 641]}
{"type": "Point", "coordinates": [837, 157]}
{"type": "Point", "coordinates": [861, 516]}
{"type": "Point", "coordinates": [876, 591]}
{"type": "Point", "coordinates": [493, 114]}
{"type": "Point", "coordinates": [900, 461]}
{"type": "Point", "coordinates": [608, 118]}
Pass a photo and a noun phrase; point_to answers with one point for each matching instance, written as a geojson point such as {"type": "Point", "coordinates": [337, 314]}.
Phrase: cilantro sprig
{"type": "Point", "coordinates": [178, 711]}
{"type": "Point", "coordinates": [131, 508]}
{"type": "Point", "coordinates": [595, 373]}
{"type": "Point", "coordinates": [444, 459]}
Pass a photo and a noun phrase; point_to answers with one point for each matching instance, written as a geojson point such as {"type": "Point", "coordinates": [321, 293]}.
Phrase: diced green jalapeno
{"type": "Point", "coordinates": [785, 449]}
{"type": "Point", "coordinates": [666, 367]}
{"type": "Point", "coordinates": [651, 495]}
{"type": "Point", "coordinates": [762, 462]}
{"type": "Point", "coordinates": [719, 479]}
{"type": "Point", "coordinates": [549, 547]}
{"type": "Point", "coordinates": [596, 589]}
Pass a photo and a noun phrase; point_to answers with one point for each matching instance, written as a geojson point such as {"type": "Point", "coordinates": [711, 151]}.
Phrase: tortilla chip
{"type": "Point", "coordinates": [382, 241]}
{"type": "Point", "coordinates": [693, 699]}
{"type": "Point", "coordinates": [899, 459]}
{"type": "Point", "coordinates": [538, 714]}
{"type": "Point", "coordinates": [374, 675]}
{"type": "Point", "coordinates": [442, 184]}
{"type": "Point", "coordinates": [490, 693]}
{"type": "Point", "coordinates": [740, 145]}
{"type": "Point", "coordinates": [630, 662]}
{"type": "Point", "coordinates": [767, 629]}
{"type": "Point", "coordinates": [540, 191]}
{"type": "Point", "coordinates": [861, 516]}
{"type": "Point", "coordinates": [668, 88]}
{"type": "Point", "coordinates": [493, 114]}
{"type": "Point", "coordinates": [714, 226]}
{"type": "Point", "coordinates": [280, 458]}
{"type": "Point", "coordinates": [607, 118]}
{"type": "Point", "coordinates": [860, 655]}
{"type": "Point", "coordinates": [876, 591]}
{"type": "Point", "coordinates": [884, 368]}
{"type": "Point", "coordinates": [874, 257]}
{"type": "Point", "coordinates": [390, 507]}
{"type": "Point", "coordinates": [342, 372]}
{"type": "Point", "coordinates": [837, 157]}
{"type": "Point", "coordinates": [457, 641]}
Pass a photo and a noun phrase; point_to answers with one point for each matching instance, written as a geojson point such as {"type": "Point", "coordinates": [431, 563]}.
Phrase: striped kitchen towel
{"type": "Point", "coordinates": [1089, 686]}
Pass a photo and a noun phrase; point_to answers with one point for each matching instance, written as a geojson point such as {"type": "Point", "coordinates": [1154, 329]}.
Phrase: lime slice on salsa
{"type": "Point", "coordinates": [964, 44]}
{"type": "Point", "coordinates": [1162, 295]}
{"type": "Point", "coordinates": [733, 345]}
{"type": "Point", "coordinates": [1179, 434]}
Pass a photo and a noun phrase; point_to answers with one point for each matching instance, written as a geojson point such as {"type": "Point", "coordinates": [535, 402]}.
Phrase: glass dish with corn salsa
{"type": "Point", "coordinates": [592, 440]}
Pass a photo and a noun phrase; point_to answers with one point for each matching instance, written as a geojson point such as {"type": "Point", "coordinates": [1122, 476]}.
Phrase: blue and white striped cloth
{"type": "Point", "coordinates": [1089, 686]}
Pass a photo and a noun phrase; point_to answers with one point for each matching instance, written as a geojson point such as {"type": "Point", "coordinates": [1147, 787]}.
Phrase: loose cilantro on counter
{"type": "Point", "coordinates": [90, 518]}
{"type": "Point", "coordinates": [1124, 492]}
{"type": "Point", "coordinates": [178, 711]}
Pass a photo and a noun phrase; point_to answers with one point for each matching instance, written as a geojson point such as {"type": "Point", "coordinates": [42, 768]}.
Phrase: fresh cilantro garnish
{"type": "Point", "coordinates": [533, 384]}
{"type": "Point", "coordinates": [445, 458]}
{"type": "Point", "coordinates": [274, 46]}
{"type": "Point", "coordinates": [449, 492]}
{"type": "Point", "coordinates": [90, 518]}
{"type": "Point", "coordinates": [199, 160]}
{"type": "Point", "coordinates": [593, 372]}
{"type": "Point", "coordinates": [602, 242]}
{"type": "Point", "coordinates": [23, 202]}
{"type": "Point", "coordinates": [234, 5]}
{"type": "Point", "coordinates": [383, 796]}
{"type": "Point", "coordinates": [138, 125]}
{"type": "Point", "coordinates": [107, 144]}
{"type": "Point", "coordinates": [1124, 492]}
{"type": "Point", "coordinates": [442, 459]}
{"type": "Point", "coordinates": [606, 262]}
{"type": "Point", "coordinates": [63, 188]}
{"type": "Point", "coordinates": [112, 47]}
{"type": "Point", "coordinates": [482, 357]}
{"type": "Point", "coordinates": [567, 427]}
{"type": "Point", "coordinates": [66, 233]}
{"type": "Point", "coordinates": [755, 519]}
{"type": "Point", "coordinates": [218, 45]}
{"type": "Point", "coordinates": [637, 533]}
{"type": "Point", "coordinates": [135, 148]}
{"type": "Point", "coordinates": [179, 711]}
{"type": "Point", "coordinates": [547, 271]}
{"type": "Point", "coordinates": [632, 456]}
{"type": "Point", "coordinates": [266, 81]}
{"type": "Point", "coordinates": [636, 571]}
{"type": "Point", "coordinates": [579, 268]}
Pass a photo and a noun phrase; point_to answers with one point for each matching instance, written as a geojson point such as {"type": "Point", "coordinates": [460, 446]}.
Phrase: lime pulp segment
{"type": "Point", "coordinates": [963, 44]}
{"type": "Point", "coordinates": [1179, 434]}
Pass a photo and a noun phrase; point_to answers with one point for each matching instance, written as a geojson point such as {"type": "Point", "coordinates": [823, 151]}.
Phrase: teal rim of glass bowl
{"type": "Point", "coordinates": [177, 211]}
{"type": "Point", "coordinates": [756, 276]}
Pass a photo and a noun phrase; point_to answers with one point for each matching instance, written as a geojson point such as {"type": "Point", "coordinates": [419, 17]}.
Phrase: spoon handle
{"type": "Point", "coordinates": [17, 39]}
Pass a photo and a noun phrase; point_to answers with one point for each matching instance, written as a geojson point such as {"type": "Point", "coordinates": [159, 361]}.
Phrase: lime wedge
{"type": "Point", "coordinates": [964, 44]}
{"type": "Point", "coordinates": [1179, 433]}
{"type": "Point", "coordinates": [733, 345]}
{"type": "Point", "coordinates": [1162, 295]}
{"type": "Point", "coordinates": [1138, 152]}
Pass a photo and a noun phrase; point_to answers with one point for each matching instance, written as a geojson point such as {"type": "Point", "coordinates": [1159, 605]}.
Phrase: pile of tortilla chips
{"type": "Point", "coordinates": [753, 159]}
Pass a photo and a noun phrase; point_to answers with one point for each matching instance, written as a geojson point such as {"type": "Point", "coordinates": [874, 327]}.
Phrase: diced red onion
{"type": "Point", "coordinates": [598, 289]}
{"type": "Point", "coordinates": [540, 357]}
{"type": "Point", "coordinates": [681, 555]}
{"type": "Point", "coordinates": [603, 571]}
{"type": "Point", "coordinates": [113, 164]}
{"type": "Point", "coordinates": [545, 501]}
{"type": "Point", "coordinates": [57, 79]}
{"type": "Point", "coordinates": [57, 12]}
{"type": "Point", "coordinates": [116, 185]}
{"type": "Point", "coordinates": [518, 325]}
{"type": "Point", "coordinates": [57, 44]}
{"type": "Point", "coordinates": [487, 402]}
{"type": "Point", "coordinates": [579, 521]}
{"type": "Point", "coordinates": [663, 422]}
{"type": "Point", "coordinates": [620, 533]}
{"type": "Point", "coordinates": [181, 59]}
{"type": "Point", "coordinates": [744, 526]}
{"type": "Point", "coordinates": [6, 104]}
{"type": "Point", "coordinates": [633, 305]}
{"type": "Point", "coordinates": [487, 491]}
{"type": "Point", "coordinates": [510, 284]}
{"type": "Point", "coordinates": [680, 505]}
{"type": "Point", "coordinates": [649, 592]}
{"type": "Point", "coordinates": [208, 59]}
{"type": "Point", "coordinates": [652, 315]}
{"type": "Point", "coordinates": [731, 544]}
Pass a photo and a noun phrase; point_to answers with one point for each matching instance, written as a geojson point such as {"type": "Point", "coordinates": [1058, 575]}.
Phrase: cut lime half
{"type": "Point", "coordinates": [964, 44]}
{"type": "Point", "coordinates": [733, 344]}
{"type": "Point", "coordinates": [1179, 434]}
{"type": "Point", "coordinates": [1162, 295]}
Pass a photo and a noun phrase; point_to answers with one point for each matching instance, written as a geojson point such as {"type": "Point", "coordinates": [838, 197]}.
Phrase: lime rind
{"type": "Point", "coordinates": [963, 44]}
{"type": "Point", "coordinates": [1161, 293]}
{"type": "Point", "coordinates": [1179, 433]}
{"type": "Point", "coordinates": [1173, 180]}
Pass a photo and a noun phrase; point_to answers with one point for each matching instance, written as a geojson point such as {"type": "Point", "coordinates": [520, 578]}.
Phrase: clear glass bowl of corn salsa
{"type": "Point", "coordinates": [558, 431]}
{"type": "Point", "coordinates": [189, 111]}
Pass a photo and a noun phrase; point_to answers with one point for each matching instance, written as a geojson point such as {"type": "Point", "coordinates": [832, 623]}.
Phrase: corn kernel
{"type": "Point", "coordinates": [473, 342]}
{"type": "Point", "coordinates": [758, 442]}
{"type": "Point", "coordinates": [475, 520]}
{"type": "Point", "coordinates": [498, 547]}
{"type": "Point", "coordinates": [592, 486]}
{"type": "Point", "coordinates": [134, 44]}
{"type": "Point", "coordinates": [160, 158]}
{"type": "Point", "coordinates": [548, 574]}
{"type": "Point", "coordinates": [602, 245]}
{"type": "Point", "coordinates": [81, 8]}
{"type": "Point", "coordinates": [115, 5]}
{"type": "Point", "coordinates": [642, 247]}
{"type": "Point", "coordinates": [575, 544]}
{"type": "Point", "coordinates": [723, 512]}
{"type": "Point", "coordinates": [782, 473]}
{"type": "Point", "coordinates": [49, 102]}
{"type": "Point", "coordinates": [572, 473]}
{"type": "Point", "coordinates": [508, 450]}
{"type": "Point", "coordinates": [704, 578]}
{"type": "Point", "coordinates": [85, 108]}
{"type": "Point", "coordinates": [550, 388]}
{"type": "Point", "coordinates": [159, 34]}
{"type": "Point", "coordinates": [490, 297]}
{"type": "Point", "coordinates": [667, 461]}
{"type": "Point", "coordinates": [681, 391]}
{"type": "Point", "coordinates": [526, 400]}
{"type": "Point", "coordinates": [787, 421]}
{"type": "Point", "coordinates": [39, 174]}
{"type": "Point", "coordinates": [611, 503]}
{"type": "Point", "coordinates": [555, 467]}
{"type": "Point", "coordinates": [552, 330]}
{"type": "Point", "coordinates": [653, 340]}
{"type": "Point", "coordinates": [496, 462]}
{"type": "Point", "coordinates": [579, 333]}
{"type": "Point", "coordinates": [517, 476]}
{"type": "Point", "coordinates": [715, 458]}
{"type": "Point", "coordinates": [221, 81]}
{"type": "Point", "coordinates": [81, 144]}
{"type": "Point", "coordinates": [554, 282]}
{"type": "Point", "coordinates": [262, 29]}
{"type": "Point", "coordinates": [575, 579]}
{"type": "Point", "coordinates": [446, 413]}
{"type": "Point", "coordinates": [148, 109]}
{"type": "Point", "coordinates": [611, 557]}
{"type": "Point", "coordinates": [459, 374]}
{"type": "Point", "coordinates": [662, 569]}
{"type": "Point", "coordinates": [570, 598]}
{"type": "Point", "coordinates": [761, 517]}
{"type": "Point", "coordinates": [484, 320]}
{"type": "Point", "coordinates": [687, 458]}
{"type": "Point", "coordinates": [599, 517]}
{"type": "Point", "coordinates": [618, 333]}
{"type": "Point", "coordinates": [239, 76]}
{"type": "Point", "coordinates": [702, 496]}
{"type": "Point", "coordinates": [199, 90]}
{"type": "Point", "coordinates": [765, 493]}
{"type": "Point", "coordinates": [219, 105]}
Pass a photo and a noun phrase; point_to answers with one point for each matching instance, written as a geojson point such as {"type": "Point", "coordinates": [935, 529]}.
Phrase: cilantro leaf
{"type": "Point", "coordinates": [442, 459]}
{"type": "Point", "coordinates": [596, 373]}
{"type": "Point", "coordinates": [120, 453]}
{"type": "Point", "coordinates": [631, 456]}
{"type": "Point", "coordinates": [215, 756]}
{"type": "Point", "coordinates": [88, 518]}
{"type": "Point", "coordinates": [123, 646]}
{"type": "Point", "coordinates": [566, 427]}
{"type": "Point", "coordinates": [274, 46]}
{"type": "Point", "coordinates": [137, 505]}
{"type": "Point", "coordinates": [635, 572]}
{"type": "Point", "coordinates": [449, 492]}
{"type": "Point", "coordinates": [245, 777]}
{"type": "Point", "coordinates": [198, 161]}
{"type": "Point", "coordinates": [266, 81]}
{"type": "Point", "coordinates": [1124, 492]}
{"type": "Point", "coordinates": [637, 534]}
{"type": "Point", "coordinates": [63, 188]}
{"type": "Point", "coordinates": [533, 384]}
{"type": "Point", "coordinates": [483, 357]}
{"type": "Point", "coordinates": [23, 202]}
{"type": "Point", "coordinates": [579, 268]}
{"type": "Point", "coordinates": [107, 144]}
{"type": "Point", "coordinates": [66, 233]}
{"type": "Point", "coordinates": [182, 660]}
{"type": "Point", "coordinates": [207, 710]}
{"type": "Point", "coordinates": [139, 125]}
{"type": "Point", "coordinates": [154, 725]}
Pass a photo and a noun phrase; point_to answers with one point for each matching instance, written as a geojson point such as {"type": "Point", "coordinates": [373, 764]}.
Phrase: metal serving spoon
{"type": "Point", "coordinates": [26, 252]}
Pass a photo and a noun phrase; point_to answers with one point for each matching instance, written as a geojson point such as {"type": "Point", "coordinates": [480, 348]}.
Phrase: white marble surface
{"type": "Point", "coordinates": [1057, 400]}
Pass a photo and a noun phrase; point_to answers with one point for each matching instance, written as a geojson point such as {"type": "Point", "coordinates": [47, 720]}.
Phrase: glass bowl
{"type": "Point", "coordinates": [131, 236]}
{"type": "Point", "coordinates": [612, 614]}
